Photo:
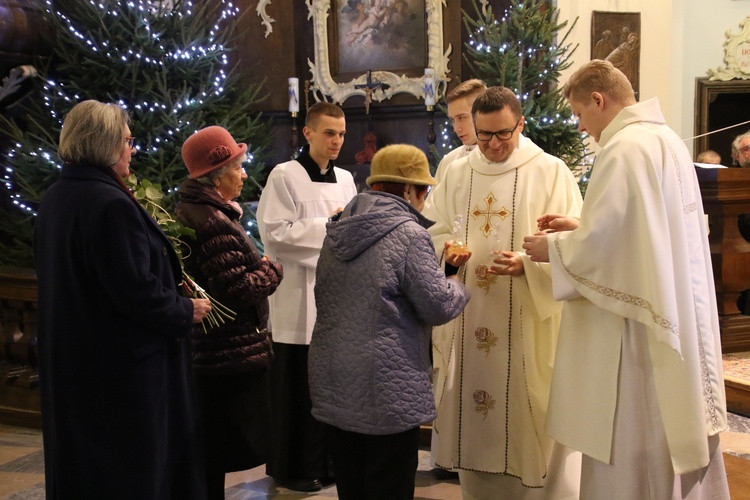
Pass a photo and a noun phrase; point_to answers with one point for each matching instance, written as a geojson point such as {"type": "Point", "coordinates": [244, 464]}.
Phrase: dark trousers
{"type": "Point", "coordinates": [215, 485]}
{"type": "Point", "coordinates": [375, 467]}
{"type": "Point", "coordinates": [298, 448]}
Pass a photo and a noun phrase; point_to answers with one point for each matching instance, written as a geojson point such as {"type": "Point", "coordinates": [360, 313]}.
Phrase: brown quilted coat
{"type": "Point", "coordinates": [223, 260]}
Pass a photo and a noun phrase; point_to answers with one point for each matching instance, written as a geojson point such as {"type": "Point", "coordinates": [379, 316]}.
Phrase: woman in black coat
{"type": "Point", "coordinates": [118, 409]}
{"type": "Point", "coordinates": [230, 361]}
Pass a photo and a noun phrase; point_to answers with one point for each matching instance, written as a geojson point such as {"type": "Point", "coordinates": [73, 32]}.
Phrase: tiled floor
{"type": "Point", "coordinates": [255, 485]}
{"type": "Point", "coordinates": [22, 470]}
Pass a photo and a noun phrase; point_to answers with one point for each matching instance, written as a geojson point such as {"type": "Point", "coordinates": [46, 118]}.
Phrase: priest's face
{"type": "Point", "coordinates": [498, 133]}
{"type": "Point", "coordinates": [326, 136]}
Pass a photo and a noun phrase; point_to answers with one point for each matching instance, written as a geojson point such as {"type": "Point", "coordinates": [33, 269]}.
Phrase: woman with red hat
{"type": "Point", "coordinates": [230, 361]}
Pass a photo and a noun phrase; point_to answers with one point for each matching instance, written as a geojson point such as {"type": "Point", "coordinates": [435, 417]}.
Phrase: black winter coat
{"type": "Point", "coordinates": [119, 414]}
{"type": "Point", "coordinates": [224, 261]}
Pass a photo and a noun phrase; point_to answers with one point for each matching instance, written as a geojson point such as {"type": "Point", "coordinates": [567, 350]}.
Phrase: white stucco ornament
{"type": "Point", "coordinates": [324, 87]}
{"type": "Point", "coordinates": [736, 55]}
{"type": "Point", "coordinates": [266, 20]}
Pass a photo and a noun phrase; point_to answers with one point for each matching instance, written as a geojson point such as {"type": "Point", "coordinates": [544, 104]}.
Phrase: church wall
{"type": "Point", "coordinates": [657, 47]}
{"type": "Point", "coordinates": [703, 40]}
{"type": "Point", "coordinates": [680, 40]}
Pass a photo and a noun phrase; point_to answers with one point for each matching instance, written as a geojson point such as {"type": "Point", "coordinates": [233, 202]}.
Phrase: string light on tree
{"type": "Point", "coordinates": [526, 52]}
{"type": "Point", "coordinates": [170, 86]}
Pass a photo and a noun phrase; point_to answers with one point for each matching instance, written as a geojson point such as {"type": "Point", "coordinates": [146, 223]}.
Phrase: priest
{"type": "Point", "coordinates": [638, 384]}
{"type": "Point", "coordinates": [492, 397]}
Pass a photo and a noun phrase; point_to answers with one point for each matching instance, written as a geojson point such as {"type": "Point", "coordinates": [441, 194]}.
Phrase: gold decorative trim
{"type": "Point", "coordinates": [486, 339]}
{"type": "Point", "coordinates": [483, 402]}
{"type": "Point", "coordinates": [484, 279]}
{"type": "Point", "coordinates": [620, 296]}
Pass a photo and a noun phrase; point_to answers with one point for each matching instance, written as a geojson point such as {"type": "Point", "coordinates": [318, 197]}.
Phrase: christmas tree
{"type": "Point", "coordinates": [166, 62]}
{"type": "Point", "coordinates": [523, 51]}
{"type": "Point", "coordinates": [445, 139]}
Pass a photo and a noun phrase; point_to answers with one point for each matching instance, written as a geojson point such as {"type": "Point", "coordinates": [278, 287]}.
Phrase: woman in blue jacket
{"type": "Point", "coordinates": [379, 290]}
{"type": "Point", "coordinates": [118, 408]}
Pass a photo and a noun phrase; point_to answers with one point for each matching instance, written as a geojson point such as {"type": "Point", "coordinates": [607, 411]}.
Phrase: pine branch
{"type": "Point", "coordinates": [521, 51]}
{"type": "Point", "coordinates": [164, 61]}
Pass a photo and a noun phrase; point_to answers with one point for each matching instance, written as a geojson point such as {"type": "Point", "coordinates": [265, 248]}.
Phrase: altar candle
{"type": "Point", "coordinates": [429, 87]}
{"type": "Point", "coordinates": [293, 95]}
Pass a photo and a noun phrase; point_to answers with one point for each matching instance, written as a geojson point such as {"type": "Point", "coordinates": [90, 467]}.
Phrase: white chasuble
{"type": "Point", "coordinates": [292, 216]}
{"type": "Point", "coordinates": [638, 262]}
{"type": "Point", "coordinates": [492, 395]}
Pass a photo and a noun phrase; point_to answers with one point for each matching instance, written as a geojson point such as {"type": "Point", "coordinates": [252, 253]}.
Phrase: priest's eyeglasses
{"type": "Point", "coordinates": [503, 135]}
{"type": "Point", "coordinates": [131, 141]}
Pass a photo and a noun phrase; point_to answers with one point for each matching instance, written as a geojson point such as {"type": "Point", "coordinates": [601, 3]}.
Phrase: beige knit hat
{"type": "Point", "coordinates": [402, 163]}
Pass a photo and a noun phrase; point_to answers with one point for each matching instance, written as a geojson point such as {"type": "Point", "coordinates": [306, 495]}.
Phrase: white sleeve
{"type": "Point", "coordinates": [284, 234]}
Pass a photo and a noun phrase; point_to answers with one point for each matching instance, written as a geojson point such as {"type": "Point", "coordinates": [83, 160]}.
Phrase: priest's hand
{"type": "Point", "coordinates": [552, 223]}
{"type": "Point", "coordinates": [537, 247]}
{"type": "Point", "coordinates": [507, 264]}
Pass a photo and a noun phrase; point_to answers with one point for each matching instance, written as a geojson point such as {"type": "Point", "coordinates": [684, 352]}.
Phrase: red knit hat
{"type": "Point", "coordinates": [210, 149]}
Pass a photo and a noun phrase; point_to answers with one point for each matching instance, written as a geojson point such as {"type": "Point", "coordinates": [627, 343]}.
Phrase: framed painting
{"type": "Point", "coordinates": [616, 37]}
{"type": "Point", "coordinates": [394, 40]}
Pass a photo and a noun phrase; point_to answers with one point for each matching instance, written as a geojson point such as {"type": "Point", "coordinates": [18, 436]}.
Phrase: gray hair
{"type": "Point", "coordinates": [210, 177]}
{"type": "Point", "coordinates": [92, 134]}
{"type": "Point", "coordinates": [736, 142]}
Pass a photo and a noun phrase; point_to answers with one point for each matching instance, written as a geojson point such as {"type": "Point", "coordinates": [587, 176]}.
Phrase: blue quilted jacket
{"type": "Point", "coordinates": [379, 290]}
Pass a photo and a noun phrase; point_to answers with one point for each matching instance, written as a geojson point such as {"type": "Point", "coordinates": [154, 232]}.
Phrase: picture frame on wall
{"type": "Point", "coordinates": [394, 39]}
{"type": "Point", "coordinates": [616, 37]}
{"type": "Point", "coordinates": [389, 35]}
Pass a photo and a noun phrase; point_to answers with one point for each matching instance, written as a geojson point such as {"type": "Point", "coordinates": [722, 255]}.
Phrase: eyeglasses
{"type": "Point", "coordinates": [746, 149]}
{"type": "Point", "coordinates": [131, 141]}
{"type": "Point", "coordinates": [503, 135]}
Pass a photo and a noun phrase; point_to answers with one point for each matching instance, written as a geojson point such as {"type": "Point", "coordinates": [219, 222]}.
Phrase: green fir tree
{"type": "Point", "coordinates": [526, 51]}
{"type": "Point", "coordinates": [166, 62]}
{"type": "Point", "coordinates": [445, 139]}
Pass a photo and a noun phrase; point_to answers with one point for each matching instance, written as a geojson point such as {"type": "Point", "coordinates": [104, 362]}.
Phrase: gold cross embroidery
{"type": "Point", "coordinates": [488, 213]}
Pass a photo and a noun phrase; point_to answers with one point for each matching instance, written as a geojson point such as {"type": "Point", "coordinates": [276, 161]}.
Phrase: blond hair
{"type": "Point", "coordinates": [599, 76]}
{"type": "Point", "coordinates": [92, 133]}
{"type": "Point", "coordinates": [708, 156]}
{"type": "Point", "coordinates": [469, 88]}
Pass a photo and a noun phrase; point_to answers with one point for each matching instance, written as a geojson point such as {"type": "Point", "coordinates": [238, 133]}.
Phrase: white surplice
{"type": "Point", "coordinates": [639, 262]}
{"type": "Point", "coordinates": [492, 396]}
{"type": "Point", "coordinates": [292, 216]}
{"type": "Point", "coordinates": [453, 155]}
